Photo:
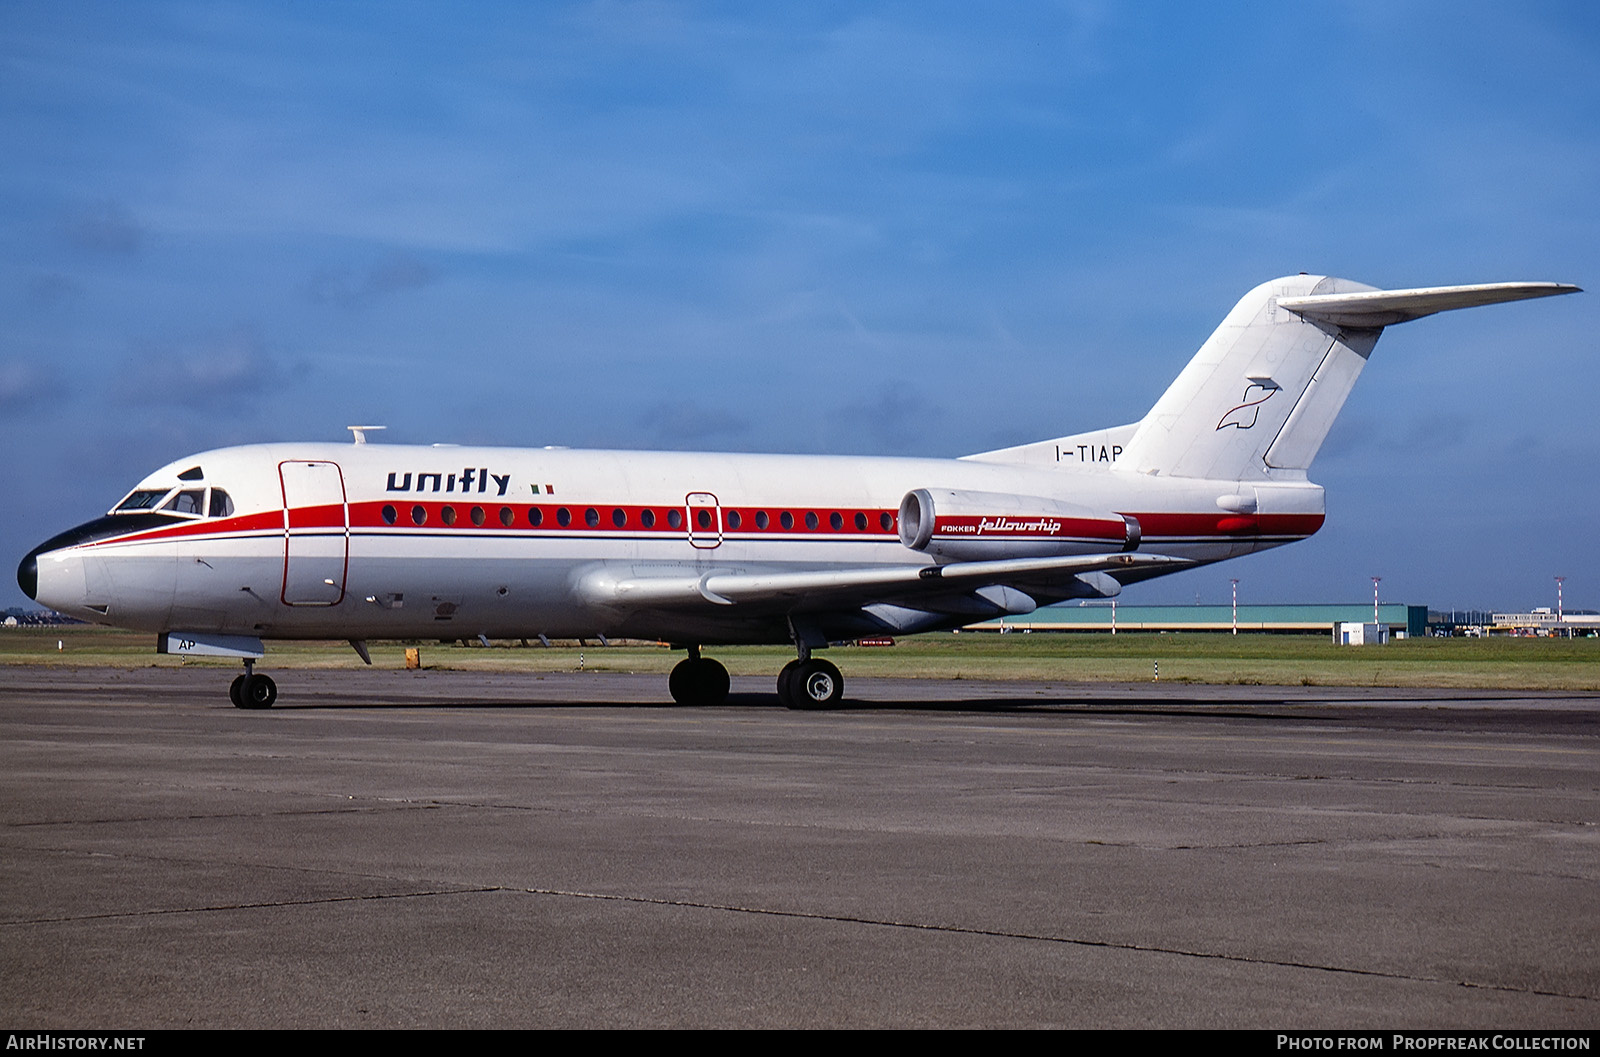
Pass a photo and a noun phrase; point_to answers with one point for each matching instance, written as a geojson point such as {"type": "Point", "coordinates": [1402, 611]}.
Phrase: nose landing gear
{"type": "Point", "coordinates": [251, 690]}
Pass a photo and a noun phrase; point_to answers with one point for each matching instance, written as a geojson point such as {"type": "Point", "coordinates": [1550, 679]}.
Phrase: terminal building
{"type": "Point", "coordinates": [1546, 621]}
{"type": "Point", "coordinates": [1401, 621]}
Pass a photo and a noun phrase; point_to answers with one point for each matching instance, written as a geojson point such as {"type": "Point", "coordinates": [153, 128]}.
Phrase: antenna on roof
{"type": "Point", "coordinates": [361, 432]}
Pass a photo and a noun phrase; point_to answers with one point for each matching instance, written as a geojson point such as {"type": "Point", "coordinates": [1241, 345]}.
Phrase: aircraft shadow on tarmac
{"type": "Point", "coordinates": [1337, 710]}
{"type": "Point", "coordinates": [1085, 705]}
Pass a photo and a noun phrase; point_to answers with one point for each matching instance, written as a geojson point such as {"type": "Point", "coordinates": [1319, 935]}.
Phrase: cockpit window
{"type": "Point", "coordinates": [144, 500]}
{"type": "Point", "coordinates": [189, 501]}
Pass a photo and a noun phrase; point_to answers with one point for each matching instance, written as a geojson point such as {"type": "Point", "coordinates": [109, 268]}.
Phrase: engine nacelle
{"type": "Point", "coordinates": [982, 526]}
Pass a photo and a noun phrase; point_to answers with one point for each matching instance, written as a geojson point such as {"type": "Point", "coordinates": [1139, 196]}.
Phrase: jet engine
{"type": "Point", "coordinates": [985, 526]}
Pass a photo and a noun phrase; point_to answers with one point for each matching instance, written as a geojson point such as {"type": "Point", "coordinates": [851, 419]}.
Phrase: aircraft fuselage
{"type": "Point", "coordinates": [388, 541]}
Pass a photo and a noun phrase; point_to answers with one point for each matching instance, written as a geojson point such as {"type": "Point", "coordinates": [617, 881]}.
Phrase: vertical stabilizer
{"type": "Point", "coordinates": [1264, 369]}
{"type": "Point", "coordinates": [1259, 397]}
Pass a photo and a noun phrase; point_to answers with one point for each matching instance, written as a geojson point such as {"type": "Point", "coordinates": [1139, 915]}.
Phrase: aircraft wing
{"type": "Point", "coordinates": [840, 588]}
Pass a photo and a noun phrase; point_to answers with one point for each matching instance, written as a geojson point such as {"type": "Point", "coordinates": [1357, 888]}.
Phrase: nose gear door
{"type": "Point", "coordinates": [316, 533]}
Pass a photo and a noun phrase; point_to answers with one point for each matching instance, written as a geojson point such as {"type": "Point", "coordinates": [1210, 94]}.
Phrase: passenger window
{"type": "Point", "coordinates": [563, 517]}
{"type": "Point", "coordinates": [390, 515]}
{"type": "Point", "coordinates": [886, 519]}
{"type": "Point", "coordinates": [448, 515]}
{"type": "Point", "coordinates": [786, 519]}
{"type": "Point", "coordinates": [647, 518]}
{"type": "Point", "coordinates": [734, 519]}
{"type": "Point", "coordinates": [591, 517]}
{"type": "Point", "coordinates": [535, 516]}
{"type": "Point", "coordinates": [675, 518]}
{"type": "Point", "coordinates": [619, 517]}
{"type": "Point", "coordinates": [222, 505]}
{"type": "Point", "coordinates": [811, 519]}
{"type": "Point", "coordinates": [861, 521]}
{"type": "Point", "coordinates": [506, 516]}
{"type": "Point", "coordinates": [477, 515]}
{"type": "Point", "coordinates": [761, 519]}
{"type": "Point", "coordinates": [419, 515]}
{"type": "Point", "coordinates": [836, 520]}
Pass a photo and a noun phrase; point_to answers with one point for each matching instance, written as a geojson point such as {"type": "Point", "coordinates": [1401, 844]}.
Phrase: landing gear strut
{"type": "Point", "coordinates": [698, 680]}
{"type": "Point", "coordinates": [251, 690]}
{"type": "Point", "coordinates": [809, 682]}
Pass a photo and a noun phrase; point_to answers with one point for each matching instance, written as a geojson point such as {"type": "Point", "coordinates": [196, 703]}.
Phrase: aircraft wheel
{"type": "Point", "coordinates": [678, 683]}
{"type": "Point", "coordinates": [235, 691]}
{"type": "Point", "coordinates": [815, 684]}
{"type": "Point", "coordinates": [717, 682]}
{"type": "Point", "coordinates": [698, 681]}
{"type": "Point", "coordinates": [785, 691]}
{"type": "Point", "coordinates": [257, 691]}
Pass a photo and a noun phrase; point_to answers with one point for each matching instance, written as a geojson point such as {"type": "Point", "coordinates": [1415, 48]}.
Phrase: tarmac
{"type": "Point", "coordinates": [436, 849]}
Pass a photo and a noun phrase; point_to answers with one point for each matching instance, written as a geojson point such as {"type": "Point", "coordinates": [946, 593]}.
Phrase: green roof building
{"type": "Point", "coordinates": [1296, 619]}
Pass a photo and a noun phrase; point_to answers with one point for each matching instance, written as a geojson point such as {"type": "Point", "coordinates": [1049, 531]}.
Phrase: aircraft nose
{"type": "Point", "coordinates": [28, 575]}
{"type": "Point", "coordinates": [88, 532]}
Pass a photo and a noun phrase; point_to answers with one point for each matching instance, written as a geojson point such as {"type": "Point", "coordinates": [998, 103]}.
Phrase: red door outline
{"type": "Point", "coordinates": [316, 532]}
{"type": "Point", "coordinates": [698, 505]}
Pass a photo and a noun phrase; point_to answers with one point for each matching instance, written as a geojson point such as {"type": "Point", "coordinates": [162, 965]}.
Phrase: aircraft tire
{"type": "Point", "coordinates": [786, 691]}
{"type": "Point", "coordinates": [234, 691]}
{"type": "Point", "coordinates": [699, 682]}
{"type": "Point", "coordinates": [678, 683]}
{"type": "Point", "coordinates": [714, 682]}
{"type": "Point", "coordinates": [815, 684]}
{"type": "Point", "coordinates": [257, 691]}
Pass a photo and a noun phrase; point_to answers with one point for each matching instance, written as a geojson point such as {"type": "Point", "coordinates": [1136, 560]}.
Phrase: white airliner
{"type": "Point", "coordinates": [218, 551]}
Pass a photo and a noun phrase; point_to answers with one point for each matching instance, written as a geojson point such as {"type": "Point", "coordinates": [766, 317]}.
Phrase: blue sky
{"type": "Point", "coordinates": [879, 228]}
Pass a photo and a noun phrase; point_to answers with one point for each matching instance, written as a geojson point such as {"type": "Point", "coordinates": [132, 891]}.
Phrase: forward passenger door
{"type": "Point", "coordinates": [316, 533]}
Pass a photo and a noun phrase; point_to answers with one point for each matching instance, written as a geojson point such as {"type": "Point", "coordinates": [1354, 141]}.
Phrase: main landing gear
{"type": "Point", "coordinates": [809, 682]}
{"type": "Point", "coordinates": [251, 690]}
{"type": "Point", "coordinates": [698, 680]}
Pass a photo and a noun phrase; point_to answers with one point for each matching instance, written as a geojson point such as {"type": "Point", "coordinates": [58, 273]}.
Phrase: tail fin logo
{"type": "Point", "coordinates": [1244, 415]}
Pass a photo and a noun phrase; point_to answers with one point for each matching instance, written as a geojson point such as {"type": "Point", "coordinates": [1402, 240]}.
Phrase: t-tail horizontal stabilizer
{"type": "Point", "coordinates": [1382, 308]}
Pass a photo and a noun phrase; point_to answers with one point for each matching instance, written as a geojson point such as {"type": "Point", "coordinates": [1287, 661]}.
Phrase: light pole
{"type": "Point", "coordinates": [1375, 580]}
{"type": "Point", "coordinates": [1235, 584]}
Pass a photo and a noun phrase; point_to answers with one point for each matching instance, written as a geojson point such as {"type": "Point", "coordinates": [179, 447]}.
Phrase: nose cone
{"type": "Point", "coordinates": [28, 575]}
{"type": "Point", "coordinates": [71, 576]}
{"type": "Point", "coordinates": [89, 532]}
